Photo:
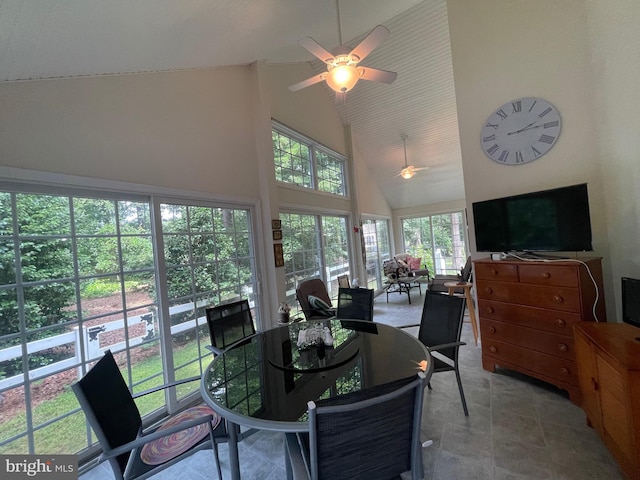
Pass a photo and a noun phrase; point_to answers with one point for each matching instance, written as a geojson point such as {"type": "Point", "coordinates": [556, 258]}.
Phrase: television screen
{"type": "Point", "coordinates": [631, 301]}
{"type": "Point", "coordinates": [554, 220]}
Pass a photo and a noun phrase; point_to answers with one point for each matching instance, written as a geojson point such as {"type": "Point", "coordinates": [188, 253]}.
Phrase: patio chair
{"type": "Point", "coordinates": [346, 433]}
{"type": "Point", "coordinates": [355, 303]}
{"type": "Point", "coordinates": [114, 417]}
{"type": "Point", "coordinates": [314, 299]}
{"type": "Point", "coordinates": [440, 330]}
{"type": "Point", "coordinates": [437, 283]}
{"type": "Point", "coordinates": [228, 323]}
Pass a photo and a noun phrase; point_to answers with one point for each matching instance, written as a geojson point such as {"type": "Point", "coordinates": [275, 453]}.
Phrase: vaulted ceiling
{"type": "Point", "coordinates": [71, 38]}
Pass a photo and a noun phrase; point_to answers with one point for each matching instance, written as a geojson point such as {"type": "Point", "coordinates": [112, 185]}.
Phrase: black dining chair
{"type": "Point", "coordinates": [346, 432]}
{"type": "Point", "coordinates": [440, 330]}
{"type": "Point", "coordinates": [355, 304]}
{"type": "Point", "coordinates": [132, 452]}
{"type": "Point", "coordinates": [228, 323]}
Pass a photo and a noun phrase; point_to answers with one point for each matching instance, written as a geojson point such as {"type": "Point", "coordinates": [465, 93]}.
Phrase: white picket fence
{"type": "Point", "coordinates": [90, 338]}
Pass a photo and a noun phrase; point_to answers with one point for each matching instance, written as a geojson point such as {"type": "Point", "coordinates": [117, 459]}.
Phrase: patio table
{"type": "Point", "coordinates": [265, 381]}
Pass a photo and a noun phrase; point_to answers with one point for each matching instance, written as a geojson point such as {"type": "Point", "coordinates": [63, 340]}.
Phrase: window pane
{"type": "Point", "coordinates": [330, 173]}
{"type": "Point", "coordinates": [94, 216]}
{"type": "Point", "coordinates": [292, 161]}
{"type": "Point", "coordinates": [205, 247]}
{"type": "Point", "coordinates": [297, 158]}
{"type": "Point", "coordinates": [336, 251]}
{"type": "Point", "coordinates": [376, 240]}
{"type": "Point", "coordinates": [6, 217]}
{"type": "Point", "coordinates": [314, 247]}
{"type": "Point", "coordinates": [440, 240]}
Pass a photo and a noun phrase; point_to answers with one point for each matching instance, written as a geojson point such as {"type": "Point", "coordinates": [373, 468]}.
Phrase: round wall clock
{"type": "Point", "coordinates": [521, 131]}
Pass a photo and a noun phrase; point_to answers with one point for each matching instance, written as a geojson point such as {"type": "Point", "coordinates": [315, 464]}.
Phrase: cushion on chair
{"type": "Point", "coordinates": [166, 448]}
{"type": "Point", "coordinates": [414, 263]}
{"type": "Point", "coordinates": [321, 306]}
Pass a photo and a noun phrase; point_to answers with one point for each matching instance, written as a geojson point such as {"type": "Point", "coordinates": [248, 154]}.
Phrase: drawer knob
{"type": "Point", "coordinates": [494, 272]}
{"type": "Point", "coordinates": [560, 322]}
{"type": "Point", "coordinates": [562, 347]}
{"type": "Point", "coordinates": [558, 299]}
{"type": "Point", "coordinates": [488, 290]}
{"type": "Point", "coordinates": [596, 387]}
{"type": "Point", "coordinates": [492, 329]}
{"type": "Point", "coordinates": [490, 310]}
{"type": "Point", "coordinates": [493, 349]}
{"type": "Point", "coordinates": [546, 275]}
{"type": "Point", "coordinates": [564, 371]}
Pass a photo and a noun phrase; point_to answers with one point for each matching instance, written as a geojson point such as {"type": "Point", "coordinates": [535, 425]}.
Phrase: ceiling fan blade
{"type": "Point", "coordinates": [316, 49]}
{"type": "Point", "coordinates": [308, 82]}
{"type": "Point", "coordinates": [370, 42]}
{"type": "Point", "coordinates": [377, 75]}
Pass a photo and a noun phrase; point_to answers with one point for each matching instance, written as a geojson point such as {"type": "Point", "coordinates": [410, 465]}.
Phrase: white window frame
{"type": "Point", "coordinates": [314, 147]}
{"type": "Point", "coordinates": [32, 182]}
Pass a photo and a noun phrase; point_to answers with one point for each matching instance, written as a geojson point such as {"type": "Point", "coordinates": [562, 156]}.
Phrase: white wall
{"type": "Point", "coordinates": [190, 130]}
{"type": "Point", "coordinates": [505, 49]}
{"type": "Point", "coordinates": [615, 43]}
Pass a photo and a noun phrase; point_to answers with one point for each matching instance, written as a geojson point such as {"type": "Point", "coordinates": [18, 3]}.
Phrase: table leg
{"type": "Point", "coordinates": [234, 460]}
{"type": "Point", "coordinates": [472, 313]}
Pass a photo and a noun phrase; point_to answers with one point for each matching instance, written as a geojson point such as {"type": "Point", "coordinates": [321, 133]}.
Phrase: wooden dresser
{"type": "Point", "coordinates": [527, 310]}
{"type": "Point", "coordinates": [609, 370]}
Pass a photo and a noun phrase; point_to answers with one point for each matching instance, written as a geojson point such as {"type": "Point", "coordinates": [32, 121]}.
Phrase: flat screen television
{"type": "Point", "coordinates": [631, 301]}
{"type": "Point", "coordinates": [554, 220]}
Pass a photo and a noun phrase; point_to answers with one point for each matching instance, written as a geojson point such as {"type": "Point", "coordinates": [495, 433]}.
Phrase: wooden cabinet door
{"type": "Point", "coordinates": [588, 378]}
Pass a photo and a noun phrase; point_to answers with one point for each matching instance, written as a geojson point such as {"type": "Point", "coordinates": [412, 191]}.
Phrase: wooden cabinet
{"type": "Point", "coordinates": [608, 357]}
{"type": "Point", "coordinates": [527, 310]}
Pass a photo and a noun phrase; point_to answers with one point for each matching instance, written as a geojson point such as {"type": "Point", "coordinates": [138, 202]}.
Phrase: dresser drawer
{"type": "Point", "coordinates": [548, 274]}
{"type": "Point", "coordinates": [554, 298]}
{"type": "Point", "coordinates": [554, 321]}
{"type": "Point", "coordinates": [529, 360]}
{"type": "Point", "coordinates": [501, 272]}
{"type": "Point", "coordinates": [545, 342]}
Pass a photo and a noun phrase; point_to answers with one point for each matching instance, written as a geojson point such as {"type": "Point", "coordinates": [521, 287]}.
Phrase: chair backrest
{"type": "Point", "coordinates": [343, 281]}
{"type": "Point", "coordinates": [317, 288]}
{"type": "Point", "coordinates": [109, 406]}
{"type": "Point", "coordinates": [441, 322]}
{"type": "Point", "coordinates": [229, 323]}
{"type": "Point", "coordinates": [355, 303]}
{"type": "Point", "coordinates": [465, 274]}
{"type": "Point", "coordinates": [346, 432]}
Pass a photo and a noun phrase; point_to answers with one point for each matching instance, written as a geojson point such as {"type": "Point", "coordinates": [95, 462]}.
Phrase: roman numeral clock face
{"type": "Point", "coordinates": [520, 131]}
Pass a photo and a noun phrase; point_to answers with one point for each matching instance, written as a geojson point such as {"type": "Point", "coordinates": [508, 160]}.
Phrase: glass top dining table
{"type": "Point", "coordinates": [266, 380]}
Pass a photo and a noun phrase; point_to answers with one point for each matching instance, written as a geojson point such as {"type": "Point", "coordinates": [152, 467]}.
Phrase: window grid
{"type": "Point", "coordinates": [440, 240]}
{"type": "Point", "coordinates": [314, 246]}
{"type": "Point", "coordinates": [302, 162]}
{"type": "Point", "coordinates": [77, 276]}
{"type": "Point", "coordinates": [377, 248]}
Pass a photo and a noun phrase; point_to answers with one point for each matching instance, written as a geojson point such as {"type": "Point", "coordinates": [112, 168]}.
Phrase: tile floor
{"type": "Point", "coordinates": [517, 429]}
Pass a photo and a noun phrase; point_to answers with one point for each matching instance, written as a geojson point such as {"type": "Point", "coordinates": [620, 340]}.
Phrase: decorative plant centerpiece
{"type": "Point", "coordinates": [283, 312]}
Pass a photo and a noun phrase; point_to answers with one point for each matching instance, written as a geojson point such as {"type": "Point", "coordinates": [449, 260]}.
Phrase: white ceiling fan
{"type": "Point", "coordinates": [409, 170]}
{"type": "Point", "coordinates": [343, 71]}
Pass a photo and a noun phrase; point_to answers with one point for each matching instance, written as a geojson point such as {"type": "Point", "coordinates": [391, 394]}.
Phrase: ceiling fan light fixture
{"type": "Point", "coordinates": [342, 78]}
{"type": "Point", "coordinates": [407, 172]}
